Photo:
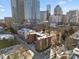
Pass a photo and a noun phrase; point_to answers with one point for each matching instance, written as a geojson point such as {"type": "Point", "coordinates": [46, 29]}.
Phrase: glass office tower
{"type": "Point", "coordinates": [32, 11]}
{"type": "Point", "coordinates": [48, 11]}
{"type": "Point", "coordinates": [18, 11]}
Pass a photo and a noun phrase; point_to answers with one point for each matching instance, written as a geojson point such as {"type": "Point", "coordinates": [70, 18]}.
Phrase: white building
{"type": "Point", "coordinates": [73, 16]}
{"type": "Point", "coordinates": [6, 36]}
{"type": "Point", "coordinates": [43, 16]}
{"type": "Point", "coordinates": [23, 32]}
{"type": "Point", "coordinates": [56, 20]}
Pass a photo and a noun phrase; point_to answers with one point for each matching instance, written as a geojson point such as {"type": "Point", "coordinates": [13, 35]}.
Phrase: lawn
{"type": "Point", "coordinates": [7, 43]}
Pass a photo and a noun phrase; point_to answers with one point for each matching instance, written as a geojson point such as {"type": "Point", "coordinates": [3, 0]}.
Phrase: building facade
{"type": "Point", "coordinates": [32, 11]}
{"type": "Point", "coordinates": [48, 11]}
{"type": "Point", "coordinates": [65, 19]}
{"type": "Point", "coordinates": [57, 17]}
{"type": "Point", "coordinates": [43, 16]}
{"type": "Point", "coordinates": [58, 10]}
{"type": "Point", "coordinates": [26, 11]}
{"type": "Point", "coordinates": [55, 20]}
{"type": "Point", "coordinates": [18, 11]}
{"type": "Point", "coordinates": [43, 43]}
{"type": "Point", "coordinates": [73, 16]}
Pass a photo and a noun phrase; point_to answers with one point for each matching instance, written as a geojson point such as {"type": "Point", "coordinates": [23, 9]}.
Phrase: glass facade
{"type": "Point", "coordinates": [32, 10]}
{"type": "Point", "coordinates": [18, 11]}
{"type": "Point", "coordinates": [49, 8]}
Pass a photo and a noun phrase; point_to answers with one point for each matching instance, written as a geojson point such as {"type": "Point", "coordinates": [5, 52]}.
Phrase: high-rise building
{"type": "Point", "coordinates": [32, 11]}
{"type": "Point", "coordinates": [56, 19]}
{"type": "Point", "coordinates": [43, 16]}
{"type": "Point", "coordinates": [73, 16]}
{"type": "Point", "coordinates": [18, 11]}
{"type": "Point", "coordinates": [48, 11]}
{"type": "Point", "coordinates": [58, 10]}
{"type": "Point", "coordinates": [26, 10]}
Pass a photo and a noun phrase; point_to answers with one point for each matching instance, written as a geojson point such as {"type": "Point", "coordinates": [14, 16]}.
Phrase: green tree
{"type": "Point", "coordinates": [71, 30]}
{"type": "Point", "coordinates": [64, 35]}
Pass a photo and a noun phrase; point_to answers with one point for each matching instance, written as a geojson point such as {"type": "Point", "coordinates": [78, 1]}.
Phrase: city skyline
{"type": "Point", "coordinates": [5, 6]}
{"type": "Point", "coordinates": [39, 29]}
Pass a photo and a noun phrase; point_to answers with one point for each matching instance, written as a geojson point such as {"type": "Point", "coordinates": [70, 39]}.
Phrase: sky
{"type": "Point", "coordinates": [66, 5]}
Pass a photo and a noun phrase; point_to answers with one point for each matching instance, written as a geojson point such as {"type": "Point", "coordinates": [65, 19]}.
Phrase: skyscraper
{"type": "Point", "coordinates": [48, 11]}
{"type": "Point", "coordinates": [57, 18]}
{"type": "Point", "coordinates": [49, 8]}
{"type": "Point", "coordinates": [58, 10]}
{"type": "Point", "coordinates": [32, 11]}
{"type": "Point", "coordinates": [18, 11]}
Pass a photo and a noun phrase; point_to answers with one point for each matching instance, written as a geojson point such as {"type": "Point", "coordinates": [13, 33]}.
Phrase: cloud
{"type": "Point", "coordinates": [62, 2]}
{"type": "Point", "coordinates": [2, 10]}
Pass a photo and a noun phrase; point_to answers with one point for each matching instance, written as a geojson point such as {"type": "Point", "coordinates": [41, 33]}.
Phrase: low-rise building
{"type": "Point", "coordinates": [42, 41]}
{"type": "Point", "coordinates": [6, 36]}
{"type": "Point", "coordinates": [24, 32]}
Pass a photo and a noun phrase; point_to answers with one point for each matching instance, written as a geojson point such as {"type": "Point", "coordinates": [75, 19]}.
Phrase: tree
{"type": "Point", "coordinates": [8, 57]}
{"type": "Point", "coordinates": [67, 33]}
{"type": "Point", "coordinates": [64, 35]}
{"type": "Point", "coordinates": [43, 30]}
{"type": "Point", "coordinates": [71, 30]}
